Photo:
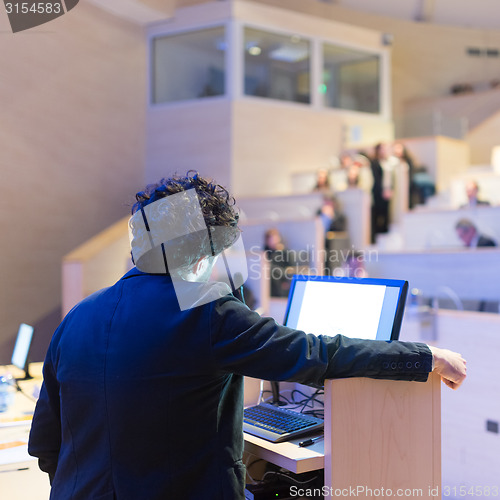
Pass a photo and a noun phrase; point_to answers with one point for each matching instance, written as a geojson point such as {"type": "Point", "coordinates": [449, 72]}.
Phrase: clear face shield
{"type": "Point", "coordinates": [205, 262]}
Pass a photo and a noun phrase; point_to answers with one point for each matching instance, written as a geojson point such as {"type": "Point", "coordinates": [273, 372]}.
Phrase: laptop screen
{"type": "Point", "coordinates": [365, 308]}
{"type": "Point", "coordinates": [22, 347]}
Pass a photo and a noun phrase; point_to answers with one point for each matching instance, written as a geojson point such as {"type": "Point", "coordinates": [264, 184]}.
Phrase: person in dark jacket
{"type": "Point", "coordinates": [382, 190]}
{"type": "Point", "coordinates": [470, 236]}
{"type": "Point", "coordinates": [143, 381]}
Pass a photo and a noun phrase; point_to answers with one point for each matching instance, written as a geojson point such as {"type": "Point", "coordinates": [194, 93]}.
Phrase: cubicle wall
{"type": "Point", "coordinates": [355, 204]}
{"type": "Point", "coordinates": [300, 206]}
{"type": "Point", "coordinates": [469, 274]}
{"type": "Point", "coordinates": [424, 229]}
{"type": "Point", "coordinates": [470, 416]}
{"type": "Point", "coordinates": [487, 180]}
{"type": "Point", "coordinates": [304, 239]}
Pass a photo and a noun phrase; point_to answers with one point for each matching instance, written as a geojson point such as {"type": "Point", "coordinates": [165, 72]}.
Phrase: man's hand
{"type": "Point", "coordinates": [450, 365]}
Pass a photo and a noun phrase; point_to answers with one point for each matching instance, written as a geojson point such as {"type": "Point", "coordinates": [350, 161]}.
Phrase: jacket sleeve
{"type": "Point", "coordinates": [45, 436]}
{"type": "Point", "coordinates": [244, 342]}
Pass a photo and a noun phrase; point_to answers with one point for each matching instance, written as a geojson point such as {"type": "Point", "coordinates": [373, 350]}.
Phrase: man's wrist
{"type": "Point", "coordinates": [434, 354]}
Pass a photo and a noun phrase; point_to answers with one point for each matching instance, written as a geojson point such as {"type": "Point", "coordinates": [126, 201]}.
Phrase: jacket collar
{"type": "Point", "coordinates": [135, 272]}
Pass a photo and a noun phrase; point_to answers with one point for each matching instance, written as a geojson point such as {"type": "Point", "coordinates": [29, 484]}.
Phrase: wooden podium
{"type": "Point", "coordinates": [383, 434]}
{"type": "Point", "coordinates": [380, 435]}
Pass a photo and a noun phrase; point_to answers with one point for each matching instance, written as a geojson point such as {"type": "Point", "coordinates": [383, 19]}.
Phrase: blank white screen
{"type": "Point", "coordinates": [21, 349]}
{"type": "Point", "coordinates": [328, 308]}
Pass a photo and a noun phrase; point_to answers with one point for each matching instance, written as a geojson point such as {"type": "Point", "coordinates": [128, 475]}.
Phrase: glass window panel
{"type": "Point", "coordinates": [188, 65]}
{"type": "Point", "coordinates": [276, 66]}
{"type": "Point", "coordinates": [351, 79]}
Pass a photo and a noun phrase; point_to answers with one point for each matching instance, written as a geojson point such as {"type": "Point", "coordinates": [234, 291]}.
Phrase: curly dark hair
{"type": "Point", "coordinates": [218, 209]}
{"type": "Point", "coordinates": [217, 205]}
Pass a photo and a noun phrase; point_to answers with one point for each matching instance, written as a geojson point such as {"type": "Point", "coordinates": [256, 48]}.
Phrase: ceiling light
{"type": "Point", "coordinates": [254, 51]}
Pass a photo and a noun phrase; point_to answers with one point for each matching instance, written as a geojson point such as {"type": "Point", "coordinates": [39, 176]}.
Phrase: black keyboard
{"type": "Point", "coordinates": [278, 424]}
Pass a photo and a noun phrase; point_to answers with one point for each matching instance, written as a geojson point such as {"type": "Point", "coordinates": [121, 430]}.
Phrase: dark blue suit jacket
{"type": "Point", "coordinates": [143, 401]}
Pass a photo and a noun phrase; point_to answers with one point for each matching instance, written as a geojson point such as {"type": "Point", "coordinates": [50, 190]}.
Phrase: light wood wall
{"type": "Point", "coordinates": [272, 140]}
{"type": "Point", "coordinates": [193, 135]}
{"type": "Point", "coordinates": [483, 139]}
{"type": "Point", "coordinates": [72, 98]}
{"type": "Point", "coordinates": [445, 158]}
{"type": "Point", "coordinates": [96, 264]}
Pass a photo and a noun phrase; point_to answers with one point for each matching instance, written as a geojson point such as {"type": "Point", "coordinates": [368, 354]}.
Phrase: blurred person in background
{"type": "Point", "coordinates": [331, 215]}
{"type": "Point", "coordinates": [382, 189]}
{"type": "Point", "coordinates": [472, 191]}
{"type": "Point", "coordinates": [322, 181]}
{"type": "Point", "coordinates": [405, 160]}
{"type": "Point", "coordinates": [281, 260]}
{"type": "Point", "coordinates": [470, 236]}
{"type": "Point", "coordinates": [354, 265]}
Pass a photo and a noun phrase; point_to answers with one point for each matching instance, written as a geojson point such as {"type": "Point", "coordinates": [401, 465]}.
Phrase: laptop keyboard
{"type": "Point", "coordinates": [278, 424]}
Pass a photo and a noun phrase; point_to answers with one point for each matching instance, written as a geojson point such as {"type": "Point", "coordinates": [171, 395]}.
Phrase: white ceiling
{"type": "Point", "coordinates": [465, 13]}
{"type": "Point", "coordinates": [482, 14]}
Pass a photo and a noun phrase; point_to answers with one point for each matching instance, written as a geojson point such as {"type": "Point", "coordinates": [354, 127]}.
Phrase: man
{"type": "Point", "coordinates": [472, 190]}
{"type": "Point", "coordinates": [143, 396]}
{"type": "Point", "coordinates": [468, 233]}
{"type": "Point", "coordinates": [382, 168]}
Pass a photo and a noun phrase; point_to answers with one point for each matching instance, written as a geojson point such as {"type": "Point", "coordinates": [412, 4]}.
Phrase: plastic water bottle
{"type": "Point", "coordinates": [6, 394]}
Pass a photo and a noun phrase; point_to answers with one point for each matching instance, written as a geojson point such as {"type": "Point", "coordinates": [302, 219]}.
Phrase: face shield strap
{"type": "Point", "coordinates": [164, 257]}
{"type": "Point", "coordinates": [211, 243]}
{"type": "Point", "coordinates": [146, 224]}
{"type": "Point", "coordinates": [228, 271]}
{"type": "Point", "coordinates": [145, 219]}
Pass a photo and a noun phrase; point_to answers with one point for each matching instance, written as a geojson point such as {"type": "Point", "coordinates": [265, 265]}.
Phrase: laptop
{"type": "Point", "coordinates": [364, 308]}
{"type": "Point", "coordinates": [20, 354]}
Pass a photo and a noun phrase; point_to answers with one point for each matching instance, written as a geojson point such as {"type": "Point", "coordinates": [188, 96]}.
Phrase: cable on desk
{"type": "Point", "coordinates": [300, 405]}
{"type": "Point", "coordinates": [25, 394]}
{"type": "Point", "coordinates": [288, 478]}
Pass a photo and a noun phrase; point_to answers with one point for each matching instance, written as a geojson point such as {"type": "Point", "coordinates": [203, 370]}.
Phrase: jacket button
{"type": "Point", "coordinates": [400, 365]}
{"type": "Point", "coordinates": [417, 364]}
{"type": "Point", "coordinates": [394, 365]}
{"type": "Point", "coordinates": [409, 364]}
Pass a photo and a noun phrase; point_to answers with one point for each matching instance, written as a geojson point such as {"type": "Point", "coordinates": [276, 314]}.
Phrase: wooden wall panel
{"type": "Point", "coordinates": [73, 114]}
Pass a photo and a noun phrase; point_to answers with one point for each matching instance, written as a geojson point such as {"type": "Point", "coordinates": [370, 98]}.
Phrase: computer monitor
{"type": "Point", "coordinates": [22, 348]}
{"type": "Point", "coordinates": [365, 308]}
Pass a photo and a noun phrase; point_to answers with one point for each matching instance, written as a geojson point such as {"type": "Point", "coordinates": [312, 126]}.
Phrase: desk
{"type": "Point", "coordinates": [20, 477]}
{"type": "Point", "coordinates": [383, 434]}
{"type": "Point", "coordinates": [288, 454]}
{"type": "Point", "coordinates": [378, 434]}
